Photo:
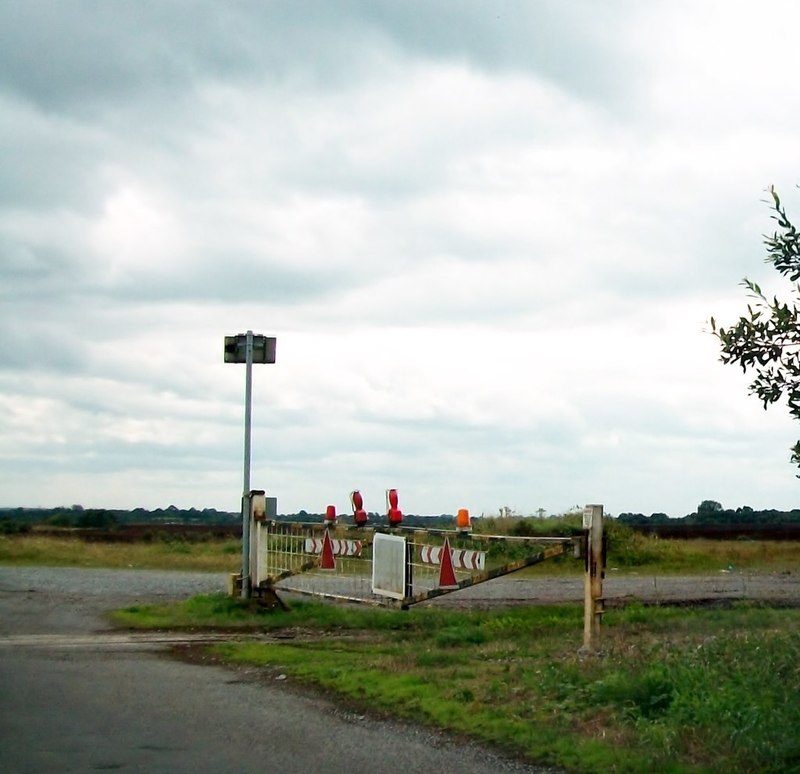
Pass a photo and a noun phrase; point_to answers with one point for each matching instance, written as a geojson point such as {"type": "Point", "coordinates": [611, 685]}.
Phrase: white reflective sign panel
{"type": "Point", "coordinates": [389, 565]}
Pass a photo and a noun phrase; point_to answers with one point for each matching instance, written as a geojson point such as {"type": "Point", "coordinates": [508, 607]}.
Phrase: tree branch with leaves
{"type": "Point", "coordinates": [767, 340]}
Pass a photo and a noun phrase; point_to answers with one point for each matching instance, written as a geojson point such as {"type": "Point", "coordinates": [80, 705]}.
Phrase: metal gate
{"type": "Point", "coordinates": [397, 566]}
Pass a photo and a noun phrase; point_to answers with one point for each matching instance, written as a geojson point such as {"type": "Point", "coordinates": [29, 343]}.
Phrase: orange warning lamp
{"type": "Point", "coordinates": [394, 514]}
{"type": "Point", "coordinates": [462, 520]}
{"type": "Point", "coordinates": [359, 514]}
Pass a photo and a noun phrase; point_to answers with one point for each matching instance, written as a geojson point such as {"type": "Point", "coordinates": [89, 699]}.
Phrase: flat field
{"type": "Point", "coordinates": [156, 553]}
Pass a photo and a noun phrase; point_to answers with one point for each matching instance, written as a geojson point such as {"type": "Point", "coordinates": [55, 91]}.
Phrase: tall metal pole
{"type": "Point", "coordinates": [248, 399]}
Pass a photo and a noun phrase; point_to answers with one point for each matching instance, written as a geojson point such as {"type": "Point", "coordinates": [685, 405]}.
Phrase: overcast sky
{"type": "Point", "coordinates": [487, 236]}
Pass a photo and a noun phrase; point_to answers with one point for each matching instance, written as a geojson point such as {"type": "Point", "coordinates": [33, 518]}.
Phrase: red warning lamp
{"type": "Point", "coordinates": [462, 520]}
{"type": "Point", "coordinates": [394, 514]}
{"type": "Point", "coordinates": [359, 514]}
{"type": "Point", "coordinates": [330, 516]}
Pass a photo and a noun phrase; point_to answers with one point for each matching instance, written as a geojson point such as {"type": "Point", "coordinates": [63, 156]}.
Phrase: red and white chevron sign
{"type": "Point", "coordinates": [463, 558]}
{"type": "Point", "coordinates": [340, 547]}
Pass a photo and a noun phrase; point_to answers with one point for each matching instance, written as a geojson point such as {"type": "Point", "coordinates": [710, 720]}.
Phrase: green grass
{"type": "Point", "coordinates": [215, 611]}
{"type": "Point", "coordinates": [681, 690]}
{"type": "Point", "coordinates": [160, 554]}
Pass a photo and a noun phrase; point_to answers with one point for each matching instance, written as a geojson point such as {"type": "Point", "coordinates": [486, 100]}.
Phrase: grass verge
{"type": "Point", "coordinates": [161, 553]}
{"type": "Point", "coordinates": [675, 690]}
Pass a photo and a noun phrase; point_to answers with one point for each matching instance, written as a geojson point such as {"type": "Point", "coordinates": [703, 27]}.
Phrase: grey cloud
{"type": "Point", "coordinates": [74, 54]}
{"type": "Point", "coordinates": [97, 458]}
{"type": "Point", "coordinates": [221, 279]}
{"type": "Point", "coordinates": [33, 272]}
{"type": "Point", "coordinates": [70, 55]}
{"type": "Point", "coordinates": [563, 41]}
{"type": "Point", "coordinates": [46, 160]}
{"type": "Point", "coordinates": [33, 343]}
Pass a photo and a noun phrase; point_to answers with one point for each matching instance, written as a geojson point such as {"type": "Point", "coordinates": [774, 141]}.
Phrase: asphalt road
{"type": "Point", "coordinates": [75, 696]}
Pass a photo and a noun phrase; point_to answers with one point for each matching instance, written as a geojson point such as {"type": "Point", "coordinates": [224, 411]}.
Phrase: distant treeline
{"type": "Point", "coordinates": [711, 520]}
{"type": "Point", "coordinates": [711, 513]}
{"type": "Point", "coordinates": [710, 516]}
{"type": "Point", "coordinates": [17, 519]}
{"type": "Point", "coordinates": [23, 519]}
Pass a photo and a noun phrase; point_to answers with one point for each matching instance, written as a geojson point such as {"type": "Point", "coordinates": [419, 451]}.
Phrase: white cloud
{"type": "Point", "coordinates": [135, 237]}
{"type": "Point", "coordinates": [488, 251]}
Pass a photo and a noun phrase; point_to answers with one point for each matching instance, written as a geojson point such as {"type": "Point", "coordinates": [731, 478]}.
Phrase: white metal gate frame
{"type": "Point", "coordinates": [292, 556]}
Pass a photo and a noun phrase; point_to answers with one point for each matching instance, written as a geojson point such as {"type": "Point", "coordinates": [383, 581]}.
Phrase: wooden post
{"type": "Point", "coordinates": [593, 578]}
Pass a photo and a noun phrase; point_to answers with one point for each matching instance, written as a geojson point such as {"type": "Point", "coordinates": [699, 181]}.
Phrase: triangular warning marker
{"type": "Point", "coordinates": [447, 575]}
{"type": "Point", "coordinates": [327, 562]}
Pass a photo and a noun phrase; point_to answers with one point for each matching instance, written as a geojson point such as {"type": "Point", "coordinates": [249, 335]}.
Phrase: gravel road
{"type": "Point", "coordinates": [73, 600]}
{"type": "Point", "coordinates": [775, 588]}
{"type": "Point", "coordinates": [43, 600]}
{"type": "Point", "coordinates": [618, 589]}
